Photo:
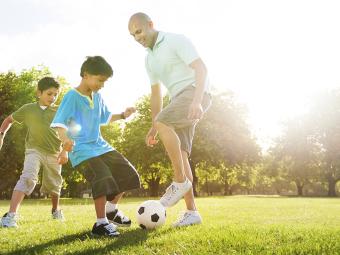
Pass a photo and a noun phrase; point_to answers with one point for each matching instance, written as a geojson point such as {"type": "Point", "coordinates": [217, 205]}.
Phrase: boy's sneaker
{"type": "Point", "coordinates": [107, 229]}
{"type": "Point", "coordinates": [58, 215]}
{"type": "Point", "coordinates": [9, 220]}
{"type": "Point", "coordinates": [118, 218]}
{"type": "Point", "coordinates": [175, 192]}
{"type": "Point", "coordinates": [188, 218]}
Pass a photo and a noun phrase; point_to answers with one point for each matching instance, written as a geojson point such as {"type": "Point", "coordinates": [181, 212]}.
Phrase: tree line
{"type": "Point", "coordinates": [226, 158]}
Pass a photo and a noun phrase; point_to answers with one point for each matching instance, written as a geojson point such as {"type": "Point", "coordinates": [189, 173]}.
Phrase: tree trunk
{"type": "Point", "coordinates": [154, 187]}
{"type": "Point", "coordinates": [299, 187]}
{"type": "Point", "coordinates": [195, 178]}
{"type": "Point", "coordinates": [207, 185]}
{"type": "Point", "coordinates": [226, 188]}
{"type": "Point", "coordinates": [331, 187]}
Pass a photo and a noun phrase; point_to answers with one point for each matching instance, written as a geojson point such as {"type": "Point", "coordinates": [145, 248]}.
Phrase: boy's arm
{"type": "Point", "coordinates": [128, 111]}
{"type": "Point", "coordinates": [63, 157]}
{"type": "Point", "coordinates": [5, 126]}
{"type": "Point", "coordinates": [65, 140]}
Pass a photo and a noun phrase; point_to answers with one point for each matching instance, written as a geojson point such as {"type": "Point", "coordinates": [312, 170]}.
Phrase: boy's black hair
{"type": "Point", "coordinates": [46, 83]}
{"type": "Point", "coordinates": [96, 65]}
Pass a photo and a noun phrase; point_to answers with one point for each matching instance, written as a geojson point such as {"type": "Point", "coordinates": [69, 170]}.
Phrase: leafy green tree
{"type": "Point", "coordinates": [297, 153]}
{"type": "Point", "coordinates": [223, 140]}
{"type": "Point", "coordinates": [152, 163]}
{"type": "Point", "coordinates": [324, 119]}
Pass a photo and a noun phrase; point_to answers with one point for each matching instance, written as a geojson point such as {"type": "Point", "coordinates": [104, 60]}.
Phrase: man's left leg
{"type": "Point", "coordinates": [191, 216]}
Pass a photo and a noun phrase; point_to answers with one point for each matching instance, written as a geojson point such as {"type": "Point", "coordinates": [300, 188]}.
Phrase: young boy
{"type": "Point", "coordinates": [42, 149]}
{"type": "Point", "coordinates": [78, 122]}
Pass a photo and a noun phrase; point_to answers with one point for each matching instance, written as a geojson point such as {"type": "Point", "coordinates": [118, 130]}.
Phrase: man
{"type": "Point", "coordinates": [174, 61]}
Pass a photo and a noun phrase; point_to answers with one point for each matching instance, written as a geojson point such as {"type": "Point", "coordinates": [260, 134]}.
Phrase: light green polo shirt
{"type": "Point", "coordinates": [168, 62]}
{"type": "Point", "coordinates": [39, 134]}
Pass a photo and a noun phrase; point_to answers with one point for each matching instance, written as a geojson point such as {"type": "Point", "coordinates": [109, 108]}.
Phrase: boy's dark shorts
{"type": "Point", "coordinates": [175, 115]}
{"type": "Point", "coordinates": [109, 174]}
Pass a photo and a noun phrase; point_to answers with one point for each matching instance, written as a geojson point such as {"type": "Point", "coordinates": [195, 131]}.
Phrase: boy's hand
{"type": "Point", "coordinates": [68, 144]}
{"type": "Point", "coordinates": [63, 157]}
{"type": "Point", "coordinates": [150, 138]}
{"type": "Point", "coordinates": [128, 111]}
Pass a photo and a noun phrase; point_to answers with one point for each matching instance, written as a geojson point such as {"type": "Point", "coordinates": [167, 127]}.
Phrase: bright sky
{"type": "Point", "coordinates": [272, 54]}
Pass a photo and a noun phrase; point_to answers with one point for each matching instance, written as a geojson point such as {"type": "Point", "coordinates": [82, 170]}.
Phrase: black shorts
{"type": "Point", "coordinates": [109, 174]}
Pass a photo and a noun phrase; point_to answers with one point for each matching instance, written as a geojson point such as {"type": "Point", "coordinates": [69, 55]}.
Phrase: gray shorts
{"type": "Point", "coordinates": [51, 180]}
{"type": "Point", "coordinates": [175, 115]}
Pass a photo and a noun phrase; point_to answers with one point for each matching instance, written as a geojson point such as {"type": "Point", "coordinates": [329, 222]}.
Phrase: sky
{"type": "Point", "coordinates": [274, 55]}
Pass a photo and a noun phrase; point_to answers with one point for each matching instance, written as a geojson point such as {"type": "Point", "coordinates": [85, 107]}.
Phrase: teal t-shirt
{"type": "Point", "coordinates": [39, 134]}
{"type": "Point", "coordinates": [82, 117]}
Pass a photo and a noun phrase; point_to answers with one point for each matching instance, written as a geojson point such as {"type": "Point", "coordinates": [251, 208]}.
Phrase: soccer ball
{"type": "Point", "coordinates": [151, 214]}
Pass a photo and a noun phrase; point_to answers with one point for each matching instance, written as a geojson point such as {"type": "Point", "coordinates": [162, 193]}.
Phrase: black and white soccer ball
{"type": "Point", "coordinates": [151, 214]}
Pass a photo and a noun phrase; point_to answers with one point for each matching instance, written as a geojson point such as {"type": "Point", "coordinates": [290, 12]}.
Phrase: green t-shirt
{"type": "Point", "coordinates": [39, 136]}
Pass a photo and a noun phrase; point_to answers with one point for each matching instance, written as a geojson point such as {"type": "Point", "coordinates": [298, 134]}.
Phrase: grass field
{"type": "Point", "coordinates": [232, 225]}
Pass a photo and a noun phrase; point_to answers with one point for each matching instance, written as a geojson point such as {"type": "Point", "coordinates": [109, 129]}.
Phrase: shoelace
{"type": "Point", "coordinates": [183, 217]}
{"type": "Point", "coordinates": [110, 228]}
{"type": "Point", "coordinates": [172, 189]}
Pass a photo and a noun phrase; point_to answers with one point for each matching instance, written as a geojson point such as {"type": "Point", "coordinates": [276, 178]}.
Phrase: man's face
{"type": "Point", "coordinates": [95, 82]}
{"type": "Point", "coordinates": [48, 96]}
{"type": "Point", "coordinates": [142, 32]}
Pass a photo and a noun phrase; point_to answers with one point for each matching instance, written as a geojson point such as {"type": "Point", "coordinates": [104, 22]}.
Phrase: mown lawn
{"type": "Point", "coordinates": [232, 225]}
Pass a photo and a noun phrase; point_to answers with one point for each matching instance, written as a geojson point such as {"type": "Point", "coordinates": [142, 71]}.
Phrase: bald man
{"type": "Point", "coordinates": [173, 61]}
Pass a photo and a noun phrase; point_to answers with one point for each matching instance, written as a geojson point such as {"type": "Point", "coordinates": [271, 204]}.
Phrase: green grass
{"type": "Point", "coordinates": [232, 225]}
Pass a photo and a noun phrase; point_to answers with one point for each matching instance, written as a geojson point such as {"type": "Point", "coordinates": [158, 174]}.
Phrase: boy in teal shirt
{"type": "Point", "coordinates": [78, 122]}
{"type": "Point", "coordinates": [42, 149]}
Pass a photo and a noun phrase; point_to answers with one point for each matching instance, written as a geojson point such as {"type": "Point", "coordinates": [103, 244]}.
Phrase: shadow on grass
{"type": "Point", "coordinates": [127, 238]}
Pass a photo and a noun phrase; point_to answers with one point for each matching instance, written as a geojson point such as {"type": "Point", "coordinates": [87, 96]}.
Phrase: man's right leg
{"type": "Point", "coordinates": [181, 185]}
{"type": "Point", "coordinates": [172, 145]}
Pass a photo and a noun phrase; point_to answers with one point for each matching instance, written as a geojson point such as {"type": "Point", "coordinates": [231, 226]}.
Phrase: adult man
{"type": "Point", "coordinates": [173, 61]}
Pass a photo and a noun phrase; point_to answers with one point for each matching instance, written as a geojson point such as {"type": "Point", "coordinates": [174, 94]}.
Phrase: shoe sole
{"type": "Point", "coordinates": [187, 225]}
{"type": "Point", "coordinates": [100, 236]}
{"type": "Point", "coordinates": [120, 225]}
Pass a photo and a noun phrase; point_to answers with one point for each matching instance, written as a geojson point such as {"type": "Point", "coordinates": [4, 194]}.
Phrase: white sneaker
{"type": "Point", "coordinates": [9, 220]}
{"type": "Point", "coordinates": [188, 218]}
{"type": "Point", "coordinates": [58, 215]}
{"type": "Point", "coordinates": [175, 192]}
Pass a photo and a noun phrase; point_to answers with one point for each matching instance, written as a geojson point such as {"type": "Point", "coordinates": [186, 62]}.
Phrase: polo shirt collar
{"type": "Point", "coordinates": [159, 39]}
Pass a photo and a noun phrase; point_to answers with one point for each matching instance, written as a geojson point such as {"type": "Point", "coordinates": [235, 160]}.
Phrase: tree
{"type": "Point", "coordinates": [223, 140]}
{"type": "Point", "coordinates": [324, 118]}
{"type": "Point", "coordinates": [297, 154]}
{"type": "Point", "coordinates": [152, 163]}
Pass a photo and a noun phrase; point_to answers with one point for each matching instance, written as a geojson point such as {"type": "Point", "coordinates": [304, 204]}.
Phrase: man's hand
{"type": "Point", "coordinates": [150, 138]}
{"type": "Point", "coordinates": [195, 111]}
{"type": "Point", "coordinates": [128, 111]}
{"type": "Point", "coordinates": [63, 157]}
